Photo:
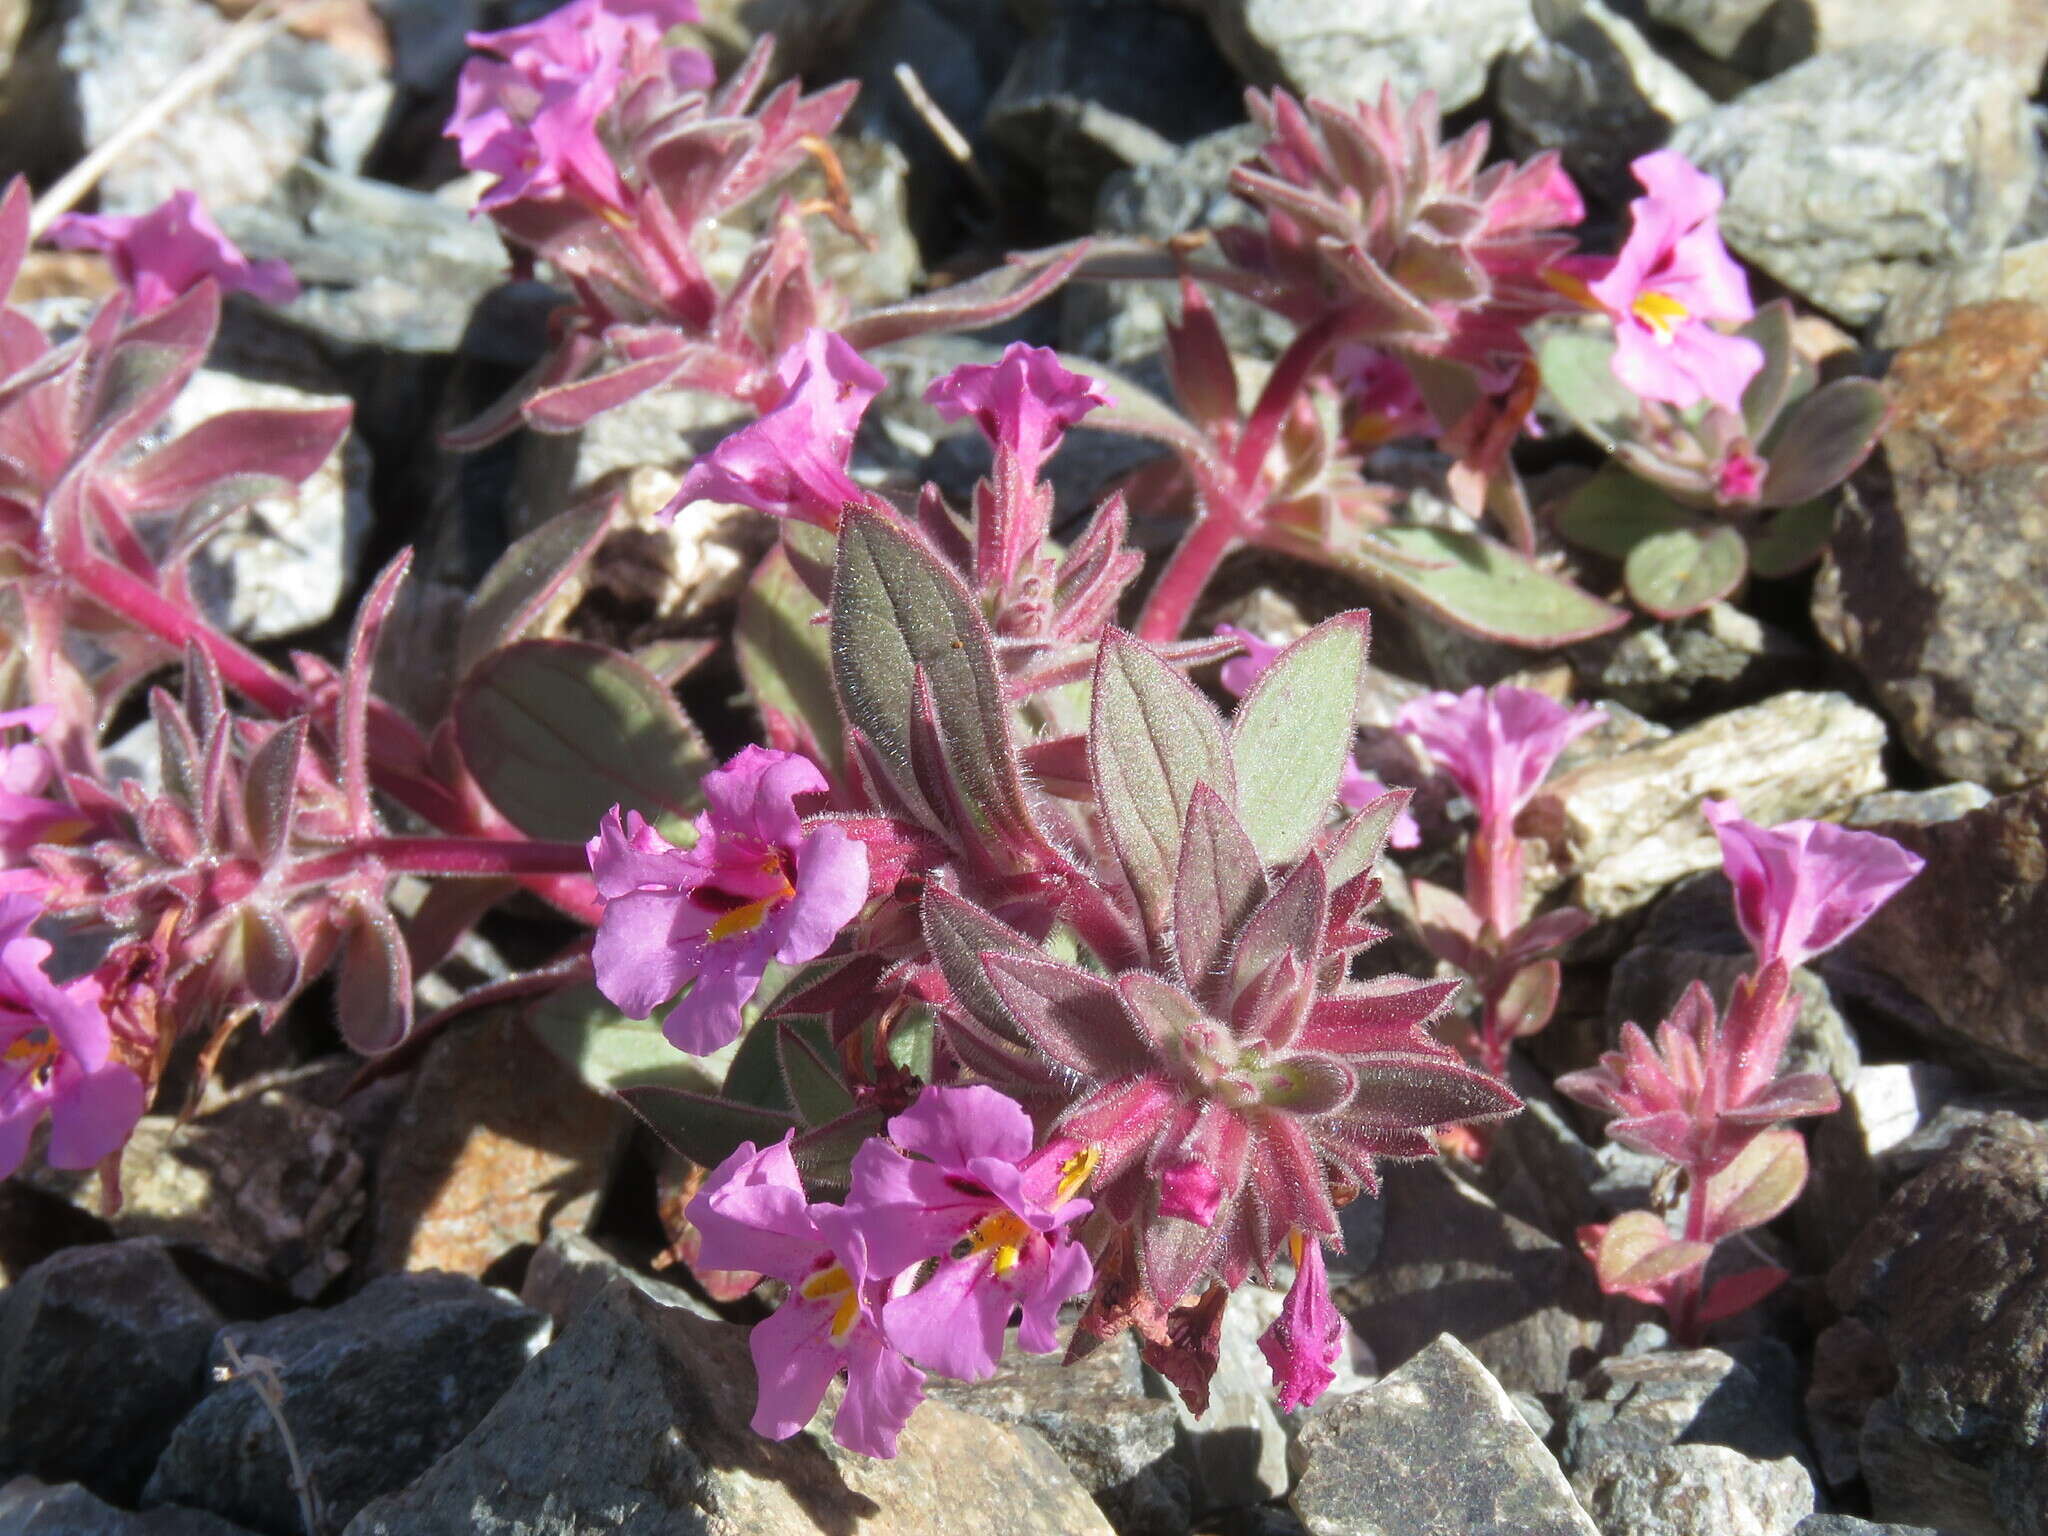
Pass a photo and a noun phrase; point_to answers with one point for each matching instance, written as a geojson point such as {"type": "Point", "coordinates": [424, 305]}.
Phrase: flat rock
{"type": "Point", "coordinates": [2011, 34]}
{"type": "Point", "coordinates": [569, 1271]}
{"type": "Point", "coordinates": [1436, 1448]}
{"type": "Point", "coordinates": [1628, 826]}
{"type": "Point", "coordinates": [375, 1390]}
{"type": "Point", "coordinates": [31, 1508]}
{"type": "Point", "coordinates": [1963, 938]}
{"type": "Point", "coordinates": [1717, 659]}
{"type": "Point", "coordinates": [270, 1184]}
{"type": "Point", "coordinates": [1691, 1443]}
{"type": "Point", "coordinates": [1346, 50]}
{"type": "Point", "coordinates": [494, 1148]}
{"type": "Point", "coordinates": [1859, 167]}
{"type": "Point", "coordinates": [1953, 1278]}
{"type": "Point", "coordinates": [668, 1396]}
{"type": "Point", "coordinates": [1936, 584]}
{"type": "Point", "coordinates": [102, 1350]}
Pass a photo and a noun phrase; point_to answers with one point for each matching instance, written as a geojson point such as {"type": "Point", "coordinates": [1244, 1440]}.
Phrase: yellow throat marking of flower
{"type": "Point", "coordinates": [835, 1282]}
{"type": "Point", "coordinates": [1003, 1234]}
{"type": "Point", "coordinates": [35, 1052]}
{"type": "Point", "coordinates": [1661, 313]}
{"type": "Point", "coordinates": [746, 919]}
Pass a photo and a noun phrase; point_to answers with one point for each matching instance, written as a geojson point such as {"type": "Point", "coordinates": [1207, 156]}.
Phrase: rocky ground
{"type": "Point", "coordinates": [449, 1265]}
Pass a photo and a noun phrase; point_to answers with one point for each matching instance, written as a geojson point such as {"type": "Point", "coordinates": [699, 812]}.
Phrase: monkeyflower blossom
{"type": "Point", "coordinates": [1356, 788]}
{"type": "Point", "coordinates": [752, 1214]}
{"type": "Point", "coordinates": [1804, 886]}
{"type": "Point", "coordinates": [1497, 744]}
{"type": "Point", "coordinates": [1672, 277]}
{"type": "Point", "coordinates": [792, 461]}
{"type": "Point", "coordinates": [164, 254]}
{"type": "Point", "coordinates": [1305, 1340]}
{"type": "Point", "coordinates": [974, 1195]}
{"type": "Point", "coordinates": [1385, 401]}
{"type": "Point", "coordinates": [56, 1055]}
{"type": "Point", "coordinates": [27, 815]}
{"type": "Point", "coordinates": [755, 887]}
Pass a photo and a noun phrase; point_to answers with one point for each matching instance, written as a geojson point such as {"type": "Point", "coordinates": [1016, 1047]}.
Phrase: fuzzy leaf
{"type": "Point", "coordinates": [1070, 1014]}
{"type": "Point", "coordinates": [373, 980]}
{"type": "Point", "coordinates": [1738, 1293]}
{"type": "Point", "coordinates": [1357, 844]}
{"type": "Point", "coordinates": [1831, 432]}
{"type": "Point", "coordinates": [1217, 888]}
{"type": "Point", "coordinates": [261, 451]}
{"type": "Point", "coordinates": [705, 1129]}
{"type": "Point", "coordinates": [1481, 586]}
{"type": "Point", "coordinates": [1531, 998]}
{"type": "Point", "coordinates": [559, 731]}
{"type": "Point", "coordinates": [785, 656]}
{"type": "Point", "coordinates": [1792, 539]}
{"type": "Point", "coordinates": [1291, 735]}
{"type": "Point", "coordinates": [986, 300]}
{"type": "Point", "coordinates": [1774, 384]}
{"type": "Point", "coordinates": [611, 1052]}
{"type": "Point", "coordinates": [1638, 1252]}
{"type": "Point", "coordinates": [959, 934]}
{"type": "Point", "coordinates": [1291, 919]}
{"type": "Point", "coordinates": [526, 578]}
{"type": "Point", "coordinates": [1684, 570]}
{"type": "Point", "coordinates": [1763, 1179]}
{"type": "Point", "coordinates": [814, 1083]}
{"type": "Point", "coordinates": [258, 949]}
{"type": "Point", "coordinates": [270, 787]}
{"type": "Point", "coordinates": [1614, 512]}
{"type": "Point", "coordinates": [1152, 737]}
{"type": "Point", "coordinates": [1577, 367]}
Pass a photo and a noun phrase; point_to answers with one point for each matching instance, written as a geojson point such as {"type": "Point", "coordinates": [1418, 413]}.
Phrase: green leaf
{"type": "Point", "coordinates": [824, 1154]}
{"type": "Point", "coordinates": [1823, 441]}
{"type": "Point", "coordinates": [1577, 367]}
{"type": "Point", "coordinates": [704, 1129]}
{"type": "Point", "coordinates": [1683, 570]}
{"type": "Point", "coordinates": [1481, 586]}
{"type": "Point", "coordinates": [1219, 885]}
{"type": "Point", "coordinates": [559, 731]}
{"type": "Point", "coordinates": [526, 578]}
{"type": "Point", "coordinates": [1792, 539]}
{"type": "Point", "coordinates": [1291, 735]}
{"type": "Point", "coordinates": [785, 656]}
{"type": "Point", "coordinates": [897, 610]}
{"type": "Point", "coordinates": [1614, 512]}
{"type": "Point", "coordinates": [611, 1052]}
{"type": "Point", "coordinates": [959, 933]}
{"type": "Point", "coordinates": [810, 1073]}
{"type": "Point", "coordinates": [911, 1039]}
{"type": "Point", "coordinates": [1151, 739]}
{"type": "Point", "coordinates": [1772, 388]}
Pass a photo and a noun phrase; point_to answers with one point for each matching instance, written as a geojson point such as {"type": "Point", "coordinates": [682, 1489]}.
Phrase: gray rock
{"type": "Point", "coordinates": [1346, 50]}
{"type": "Point", "coordinates": [1451, 1261]}
{"type": "Point", "coordinates": [568, 1271]}
{"type": "Point", "coordinates": [1435, 1449]}
{"type": "Point", "coordinates": [1628, 826]}
{"type": "Point", "coordinates": [1689, 1444]}
{"type": "Point", "coordinates": [668, 1396]}
{"type": "Point", "coordinates": [1237, 1450]}
{"type": "Point", "coordinates": [1953, 1278]}
{"type": "Point", "coordinates": [1858, 167]}
{"type": "Point", "coordinates": [1849, 1525]}
{"type": "Point", "coordinates": [1923, 807]}
{"type": "Point", "coordinates": [2011, 34]}
{"type": "Point", "coordinates": [1850, 1372]}
{"type": "Point", "coordinates": [1727, 29]}
{"type": "Point", "coordinates": [1121, 1445]}
{"type": "Point", "coordinates": [1714, 659]}
{"type": "Point", "coordinates": [102, 1350]}
{"type": "Point", "coordinates": [1926, 299]}
{"type": "Point", "coordinates": [292, 97]}
{"type": "Point", "coordinates": [30, 1508]}
{"type": "Point", "coordinates": [1593, 87]}
{"type": "Point", "coordinates": [1883, 1107]}
{"type": "Point", "coordinates": [375, 1390]}
{"type": "Point", "coordinates": [1932, 587]}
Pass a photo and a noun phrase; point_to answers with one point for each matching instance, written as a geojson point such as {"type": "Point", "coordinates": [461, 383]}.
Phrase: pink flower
{"type": "Point", "coordinates": [975, 1180]}
{"type": "Point", "coordinates": [1023, 404]}
{"type": "Point", "coordinates": [1804, 886]}
{"type": "Point", "coordinates": [1356, 788]}
{"type": "Point", "coordinates": [1497, 743]}
{"type": "Point", "coordinates": [1672, 277]}
{"type": "Point", "coordinates": [165, 253]}
{"type": "Point", "coordinates": [55, 1055]}
{"type": "Point", "coordinates": [27, 815]}
{"type": "Point", "coordinates": [1384, 399]}
{"type": "Point", "coordinates": [792, 462]}
{"type": "Point", "coordinates": [1306, 1338]}
{"type": "Point", "coordinates": [756, 887]}
{"type": "Point", "coordinates": [752, 1214]}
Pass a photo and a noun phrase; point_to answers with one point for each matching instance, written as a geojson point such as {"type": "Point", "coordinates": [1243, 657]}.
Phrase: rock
{"type": "Point", "coordinates": [1849, 1525]}
{"type": "Point", "coordinates": [375, 1390]}
{"type": "Point", "coordinates": [282, 564]}
{"type": "Point", "coordinates": [568, 1271]}
{"type": "Point", "coordinates": [1451, 1261]}
{"type": "Point", "coordinates": [30, 1508]}
{"type": "Point", "coordinates": [1953, 1278]}
{"type": "Point", "coordinates": [1630, 825]}
{"type": "Point", "coordinates": [1098, 90]}
{"type": "Point", "coordinates": [1691, 1443]}
{"type": "Point", "coordinates": [269, 1184]}
{"type": "Point", "coordinates": [1851, 1371]}
{"type": "Point", "coordinates": [1883, 1106]}
{"type": "Point", "coordinates": [1435, 1449]}
{"type": "Point", "coordinates": [494, 1148]}
{"type": "Point", "coordinates": [101, 1352]}
{"type": "Point", "coordinates": [1346, 50]}
{"type": "Point", "coordinates": [1963, 937]}
{"type": "Point", "coordinates": [1121, 1445]}
{"type": "Point", "coordinates": [292, 97]}
{"type": "Point", "coordinates": [1933, 585]}
{"type": "Point", "coordinates": [1724, 28]}
{"type": "Point", "coordinates": [1945, 802]}
{"type": "Point", "coordinates": [1592, 86]}
{"type": "Point", "coordinates": [1717, 659]}
{"type": "Point", "coordinates": [1926, 299]}
{"type": "Point", "coordinates": [2011, 34]}
{"type": "Point", "coordinates": [1237, 1450]}
{"type": "Point", "coordinates": [669, 1395]}
{"type": "Point", "coordinates": [35, 1224]}
{"type": "Point", "coordinates": [1856, 167]}
{"type": "Point", "coordinates": [379, 265]}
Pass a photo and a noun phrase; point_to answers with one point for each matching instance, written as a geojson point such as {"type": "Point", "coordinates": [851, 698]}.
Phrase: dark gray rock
{"type": "Point", "coordinates": [375, 1390]}
{"type": "Point", "coordinates": [1726, 29]}
{"type": "Point", "coordinates": [1933, 585]}
{"type": "Point", "coordinates": [568, 1271]}
{"type": "Point", "coordinates": [30, 1508]}
{"type": "Point", "coordinates": [1849, 1525]}
{"type": "Point", "coordinates": [1713, 660]}
{"type": "Point", "coordinates": [1953, 1279]}
{"type": "Point", "coordinates": [1857, 168]}
{"type": "Point", "coordinates": [102, 1350]}
{"type": "Point", "coordinates": [635, 1423]}
{"type": "Point", "coordinates": [1918, 1481]}
{"type": "Point", "coordinates": [1437, 1448]}
{"type": "Point", "coordinates": [1693, 1443]}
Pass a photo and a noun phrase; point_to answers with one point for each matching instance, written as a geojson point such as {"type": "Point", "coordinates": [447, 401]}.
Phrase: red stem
{"type": "Point", "coordinates": [489, 857]}
{"type": "Point", "coordinates": [1284, 385]}
{"type": "Point", "coordinates": [1179, 588]}
{"type": "Point", "coordinates": [1684, 1306]}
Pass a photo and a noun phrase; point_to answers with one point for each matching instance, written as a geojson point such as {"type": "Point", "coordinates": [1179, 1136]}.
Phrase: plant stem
{"type": "Point", "coordinates": [1180, 585]}
{"type": "Point", "coordinates": [485, 857]}
{"type": "Point", "coordinates": [1685, 1301]}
